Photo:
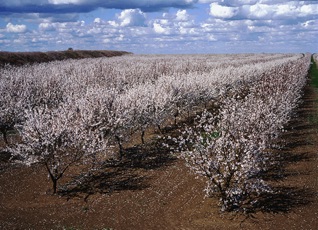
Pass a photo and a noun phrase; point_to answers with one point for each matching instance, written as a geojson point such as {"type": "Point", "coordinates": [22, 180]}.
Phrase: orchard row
{"type": "Point", "coordinates": [77, 111]}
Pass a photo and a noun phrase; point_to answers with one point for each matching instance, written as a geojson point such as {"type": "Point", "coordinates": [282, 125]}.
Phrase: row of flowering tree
{"type": "Point", "coordinates": [75, 111]}
{"type": "Point", "coordinates": [180, 80]}
{"type": "Point", "coordinates": [228, 147]}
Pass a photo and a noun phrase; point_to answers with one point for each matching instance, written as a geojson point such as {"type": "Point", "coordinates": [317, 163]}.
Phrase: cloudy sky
{"type": "Point", "coordinates": [160, 26]}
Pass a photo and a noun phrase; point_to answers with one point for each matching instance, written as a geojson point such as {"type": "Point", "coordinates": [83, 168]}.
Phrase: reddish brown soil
{"type": "Point", "coordinates": [156, 191]}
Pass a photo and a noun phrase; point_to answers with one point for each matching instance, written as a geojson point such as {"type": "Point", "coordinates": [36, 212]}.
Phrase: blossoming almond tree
{"type": "Point", "coordinates": [11, 103]}
{"type": "Point", "coordinates": [58, 138]}
{"type": "Point", "coordinates": [228, 157]}
{"type": "Point", "coordinates": [229, 148]}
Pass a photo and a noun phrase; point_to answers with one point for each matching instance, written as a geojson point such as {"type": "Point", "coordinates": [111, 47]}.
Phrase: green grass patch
{"type": "Point", "coordinates": [313, 73]}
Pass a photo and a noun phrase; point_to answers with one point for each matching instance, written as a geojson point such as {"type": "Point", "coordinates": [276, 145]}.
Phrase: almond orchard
{"type": "Point", "coordinates": [84, 112]}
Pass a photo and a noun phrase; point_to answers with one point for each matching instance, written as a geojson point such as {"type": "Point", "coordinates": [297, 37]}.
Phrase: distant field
{"type": "Point", "coordinates": [21, 58]}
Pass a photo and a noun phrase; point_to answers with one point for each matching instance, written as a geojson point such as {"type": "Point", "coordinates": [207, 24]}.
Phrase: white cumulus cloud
{"type": "Point", "coordinates": [132, 17]}
{"type": "Point", "coordinates": [311, 9]}
{"type": "Point", "coordinates": [260, 11]}
{"type": "Point", "coordinates": [220, 11]}
{"type": "Point", "coordinates": [287, 10]}
{"type": "Point", "coordinates": [158, 28]}
{"type": "Point", "coordinates": [263, 9]}
{"type": "Point", "coordinates": [182, 15]}
{"type": "Point", "coordinates": [98, 20]}
{"type": "Point", "coordinates": [46, 26]}
{"type": "Point", "coordinates": [15, 28]}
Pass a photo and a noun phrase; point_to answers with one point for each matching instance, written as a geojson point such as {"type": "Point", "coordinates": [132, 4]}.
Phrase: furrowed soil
{"type": "Point", "coordinates": [150, 189]}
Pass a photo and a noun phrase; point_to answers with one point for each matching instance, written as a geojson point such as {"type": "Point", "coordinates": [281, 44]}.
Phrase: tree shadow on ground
{"type": "Point", "coordinates": [108, 182]}
{"type": "Point", "coordinates": [278, 170]}
{"type": "Point", "coordinates": [150, 156]}
{"type": "Point", "coordinates": [283, 200]}
{"type": "Point", "coordinates": [115, 175]}
{"type": "Point", "coordinates": [5, 156]}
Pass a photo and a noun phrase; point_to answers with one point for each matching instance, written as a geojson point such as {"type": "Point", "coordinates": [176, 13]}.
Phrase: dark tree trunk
{"type": "Point", "coordinates": [5, 136]}
{"type": "Point", "coordinates": [120, 147]}
{"type": "Point", "coordinates": [54, 185]}
{"type": "Point", "coordinates": [53, 177]}
{"type": "Point", "coordinates": [143, 136]}
{"type": "Point", "coordinates": [176, 114]}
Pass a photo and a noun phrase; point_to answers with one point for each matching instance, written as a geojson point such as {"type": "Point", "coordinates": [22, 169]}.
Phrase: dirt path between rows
{"type": "Point", "coordinates": [156, 191]}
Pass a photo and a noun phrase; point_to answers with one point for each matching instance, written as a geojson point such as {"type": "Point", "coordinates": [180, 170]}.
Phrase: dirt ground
{"type": "Point", "coordinates": [151, 189]}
